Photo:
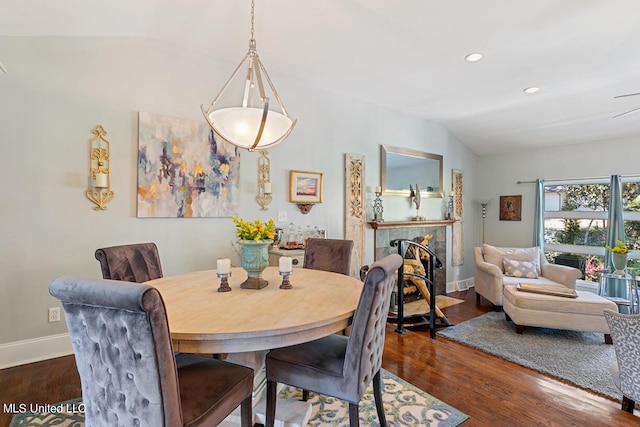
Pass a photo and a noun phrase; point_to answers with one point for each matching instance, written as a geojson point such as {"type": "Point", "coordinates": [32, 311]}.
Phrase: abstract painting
{"type": "Point", "coordinates": [183, 171]}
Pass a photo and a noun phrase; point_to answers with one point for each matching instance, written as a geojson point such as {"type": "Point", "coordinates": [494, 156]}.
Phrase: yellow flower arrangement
{"type": "Point", "coordinates": [619, 248]}
{"type": "Point", "coordinates": [256, 230]}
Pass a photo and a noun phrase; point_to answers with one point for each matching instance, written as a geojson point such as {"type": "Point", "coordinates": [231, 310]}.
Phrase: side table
{"type": "Point", "coordinates": [297, 256]}
{"type": "Point", "coordinates": [621, 289]}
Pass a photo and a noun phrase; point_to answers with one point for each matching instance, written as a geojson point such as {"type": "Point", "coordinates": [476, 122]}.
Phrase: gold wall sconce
{"type": "Point", "coordinates": [264, 180]}
{"type": "Point", "coordinates": [99, 191]}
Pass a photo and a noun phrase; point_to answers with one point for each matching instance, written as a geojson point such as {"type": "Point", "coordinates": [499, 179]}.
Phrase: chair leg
{"type": "Point", "coordinates": [272, 388]}
{"type": "Point", "coordinates": [246, 412]}
{"type": "Point", "coordinates": [378, 385]}
{"type": "Point", "coordinates": [305, 395]}
{"type": "Point", "coordinates": [354, 415]}
{"type": "Point", "coordinates": [628, 404]}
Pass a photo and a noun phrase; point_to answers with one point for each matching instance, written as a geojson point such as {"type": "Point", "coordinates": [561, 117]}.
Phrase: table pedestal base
{"type": "Point", "coordinates": [289, 413]}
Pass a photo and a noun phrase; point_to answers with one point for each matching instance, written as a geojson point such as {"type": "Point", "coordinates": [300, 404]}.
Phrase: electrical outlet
{"type": "Point", "coordinates": [54, 314]}
{"type": "Point", "coordinates": [282, 215]}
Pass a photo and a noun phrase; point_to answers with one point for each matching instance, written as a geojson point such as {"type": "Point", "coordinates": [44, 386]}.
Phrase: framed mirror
{"type": "Point", "coordinates": [400, 167]}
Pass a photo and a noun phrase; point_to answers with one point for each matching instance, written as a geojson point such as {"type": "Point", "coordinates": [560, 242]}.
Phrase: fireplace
{"type": "Point", "coordinates": [385, 232]}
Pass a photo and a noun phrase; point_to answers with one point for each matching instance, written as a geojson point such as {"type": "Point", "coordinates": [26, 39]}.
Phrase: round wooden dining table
{"type": "Point", "coordinates": [203, 320]}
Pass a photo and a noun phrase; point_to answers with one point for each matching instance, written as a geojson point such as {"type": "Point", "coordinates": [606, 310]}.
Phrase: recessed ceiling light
{"type": "Point", "coordinates": [474, 57]}
{"type": "Point", "coordinates": [532, 89]}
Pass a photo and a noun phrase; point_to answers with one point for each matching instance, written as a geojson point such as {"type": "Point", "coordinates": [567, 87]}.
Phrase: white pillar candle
{"type": "Point", "coordinates": [224, 266]}
{"type": "Point", "coordinates": [100, 180]}
{"type": "Point", "coordinates": [286, 264]}
{"type": "Point", "coordinates": [267, 187]}
{"type": "Point", "coordinates": [378, 189]}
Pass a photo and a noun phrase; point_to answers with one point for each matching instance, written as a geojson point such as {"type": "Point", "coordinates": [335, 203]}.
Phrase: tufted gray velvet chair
{"type": "Point", "coordinates": [328, 255]}
{"type": "Point", "coordinates": [127, 368]}
{"type": "Point", "coordinates": [137, 262]}
{"type": "Point", "coordinates": [625, 333]}
{"type": "Point", "coordinates": [336, 365]}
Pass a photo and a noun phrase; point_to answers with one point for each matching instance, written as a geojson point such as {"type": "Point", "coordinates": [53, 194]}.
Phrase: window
{"type": "Point", "coordinates": [631, 217]}
{"type": "Point", "coordinates": [575, 220]}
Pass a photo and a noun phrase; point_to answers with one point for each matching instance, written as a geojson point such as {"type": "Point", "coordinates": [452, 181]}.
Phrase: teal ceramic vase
{"type": "Point", "coordinates": [619, 262]}
{"type": "Point", "coordinates": [254, 259]}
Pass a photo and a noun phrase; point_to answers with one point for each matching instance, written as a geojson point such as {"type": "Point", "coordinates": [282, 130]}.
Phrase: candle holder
{"type": "Point", "coordinates": [286, 284]}
{"type": "Point", "coordinates": [377, 208]}
{"type": "Point", "coordinates": [264, 181]}
{"type": "Point", "coordinates": [224, 282]}
{"type": "Point", "coordinates": [99, 191]}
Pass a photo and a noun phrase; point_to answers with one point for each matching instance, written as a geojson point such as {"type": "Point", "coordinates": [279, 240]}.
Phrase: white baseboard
{"type": "Point", "coordinates": [460, 285]}
{"type": "Point", "coordinates": [34, 350]}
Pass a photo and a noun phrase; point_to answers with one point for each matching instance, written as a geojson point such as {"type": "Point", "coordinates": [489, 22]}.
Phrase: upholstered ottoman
{"type": "Point", "coordinates": [584, 313]}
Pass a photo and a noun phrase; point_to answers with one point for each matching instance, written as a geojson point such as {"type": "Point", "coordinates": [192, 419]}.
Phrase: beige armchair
{"type": "Point", "coordinates": [522, 265]}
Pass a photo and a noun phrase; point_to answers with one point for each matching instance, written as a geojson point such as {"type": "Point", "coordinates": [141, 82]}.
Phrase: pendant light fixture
{"type": "Point", "coordinates": [251, 125]}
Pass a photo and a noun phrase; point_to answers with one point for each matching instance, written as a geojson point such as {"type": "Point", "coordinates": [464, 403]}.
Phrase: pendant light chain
{"type": "Point", "coordinates": [252, 15]}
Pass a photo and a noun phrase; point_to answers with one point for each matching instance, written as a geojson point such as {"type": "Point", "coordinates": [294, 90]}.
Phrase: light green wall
{"type": "Point", "coordinates": [58, 89]}
{"type": "Point", "coordinates": [499, 174]}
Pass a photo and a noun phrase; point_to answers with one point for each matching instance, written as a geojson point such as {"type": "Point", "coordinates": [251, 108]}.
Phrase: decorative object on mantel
{"type": "Point", "coordinates": [184, 171]}
{"type": "Point", "coordinates": [457, 229]}
{"type": "Point", "coordinates": [355, 209]}
{"type": "Point", "coordinates": [244, 125]}
{"type": "Point", "coordinates": [99, 191]}
{"type": "Point", "coordinates": [449, 208]}
{"type": "Point", "coordinates": [255, 239]}
{"type": "Point", "coordinates": [264, 180]}
{"type": "Point", "coordinates": [377, 206]}
{"type": "Point", "coordinates": [619, 254]}
{"type": "Point", "coordinates": [305, 189]}
{"type": "Point", "coordinates": [224, 271]}
{"type": "Point", "coordinates": [414, 197]}
{"type": "Point", "coordinates": [510, 208]}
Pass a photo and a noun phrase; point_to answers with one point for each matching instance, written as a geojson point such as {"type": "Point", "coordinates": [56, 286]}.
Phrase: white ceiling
{"type": "Point", "coordinates": [407, 55]}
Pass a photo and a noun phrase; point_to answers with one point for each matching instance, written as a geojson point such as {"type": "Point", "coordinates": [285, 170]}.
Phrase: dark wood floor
{"type": "Point", "coordinates": [492, 391]}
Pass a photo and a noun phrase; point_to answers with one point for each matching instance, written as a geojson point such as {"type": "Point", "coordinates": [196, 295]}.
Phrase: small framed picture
{"type": "Point", "coordinates": [510, 208]}
{"type": "Point", "coordinates": [305, 187]}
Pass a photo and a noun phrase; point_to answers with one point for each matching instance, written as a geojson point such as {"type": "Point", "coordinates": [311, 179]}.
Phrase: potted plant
{"type": "Point", "coordinates": [254, 238]}
{"type": "Point", "coordinates": [619, 255]}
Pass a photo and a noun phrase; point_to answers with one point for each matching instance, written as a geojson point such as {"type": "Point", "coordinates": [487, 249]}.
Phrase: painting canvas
{"type": "Point", "coordinates": [183, 171]}
{"type": "Point", "coordinates": [510, 208]}
{"type": "Point", "coordinates": [305, 187]}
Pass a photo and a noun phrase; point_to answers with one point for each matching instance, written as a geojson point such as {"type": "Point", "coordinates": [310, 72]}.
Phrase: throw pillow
{"type": "Point", "coordinates": [518, 268]}
{"type": "Point", "coordinates": [494, 255]}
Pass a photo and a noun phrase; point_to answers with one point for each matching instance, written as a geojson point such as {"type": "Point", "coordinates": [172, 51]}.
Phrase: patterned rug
{"type": "Point", "coordinates": [405, 405]}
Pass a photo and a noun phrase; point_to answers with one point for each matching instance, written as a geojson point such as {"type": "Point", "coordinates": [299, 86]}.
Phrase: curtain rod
{"type": "Point", "coordinates": [593, 178]}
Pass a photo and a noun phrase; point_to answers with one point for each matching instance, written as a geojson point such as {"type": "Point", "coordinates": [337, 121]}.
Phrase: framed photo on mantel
{"type": "Point", "coordinates": [510, 208]}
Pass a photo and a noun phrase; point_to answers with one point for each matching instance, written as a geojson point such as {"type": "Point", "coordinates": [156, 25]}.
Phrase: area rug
{"type": "Point", "coordinates": [578, 358]}
{"type": "Point", "coordinates": [405, 405]}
